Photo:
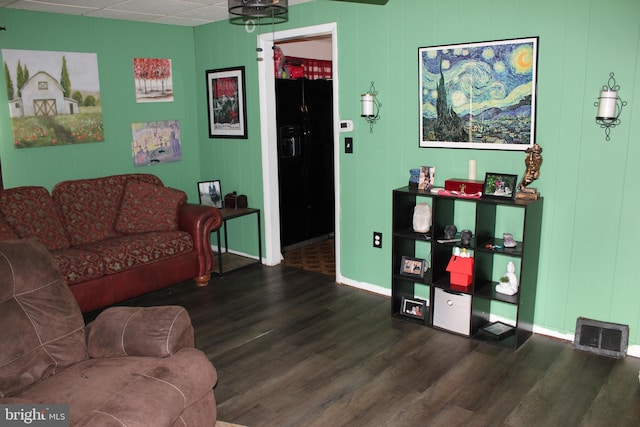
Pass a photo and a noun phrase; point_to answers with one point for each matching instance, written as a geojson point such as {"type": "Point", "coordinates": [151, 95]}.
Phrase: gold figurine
{"type": "Point", "coordinates": [533, 161]}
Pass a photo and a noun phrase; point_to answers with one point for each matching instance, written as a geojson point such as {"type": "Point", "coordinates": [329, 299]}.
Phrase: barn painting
{"type": "Point", "coordinates": [54, 97]}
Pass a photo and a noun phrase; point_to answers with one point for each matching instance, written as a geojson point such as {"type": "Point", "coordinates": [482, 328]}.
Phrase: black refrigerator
{"type": "Point", "coordinates": [304, 114]}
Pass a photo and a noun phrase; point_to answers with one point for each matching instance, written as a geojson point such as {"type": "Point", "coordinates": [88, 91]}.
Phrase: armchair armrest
{"type": "Point", "coordinates": [200, 221]}
{"type": "Point", "coordinates": [137, 331]}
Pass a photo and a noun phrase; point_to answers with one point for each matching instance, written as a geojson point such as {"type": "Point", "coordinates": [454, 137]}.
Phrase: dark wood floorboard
{"type": "Point", "coordinates": [293, 348]}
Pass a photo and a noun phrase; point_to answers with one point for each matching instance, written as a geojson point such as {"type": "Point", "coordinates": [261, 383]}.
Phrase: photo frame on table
{"type": "Point", "coordinates": [499, 186]}
{"type": "Point", "coordinates": [478, 95]}
{"type": "Point", "coordinates": [415, 308]}
{"type": "Point", "coordinates": [413, 267]}
{"type": "Point", "coordinates": [210, 193]}
{"type": "Point", "coordinates": [227, 103]}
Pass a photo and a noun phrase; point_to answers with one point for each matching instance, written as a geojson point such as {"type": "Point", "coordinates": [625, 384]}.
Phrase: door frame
{"type": "Point", "coordinates": [269, 135]}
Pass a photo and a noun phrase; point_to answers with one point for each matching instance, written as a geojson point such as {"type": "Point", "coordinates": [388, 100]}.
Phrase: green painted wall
{"type": "Point", "coordinates": [589, 185]}
{"type": "Point", "coordinates": [116, 44]}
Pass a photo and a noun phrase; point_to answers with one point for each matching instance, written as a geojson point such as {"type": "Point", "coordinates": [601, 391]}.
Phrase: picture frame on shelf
{"type": "Point", "coordinates": [413, 267]}
{"type": "Point", "coordinates": [227, 103]}
{"type": "Point", "coordinates": [427, 177]}
{"type": "Point", "coordinates": [210, 193]}
{"type": "Point", "coordinates": [499, 186]}
{"type": "Point", "coordinates": [478, 95]}
{"type": "Point", "coordinates": [415, 308]}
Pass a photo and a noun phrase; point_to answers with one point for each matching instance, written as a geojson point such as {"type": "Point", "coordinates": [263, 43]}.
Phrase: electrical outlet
{"type": "Point", "coordinates": [377, 239]}
{"type": "Point", "coordinates": [348, 145]}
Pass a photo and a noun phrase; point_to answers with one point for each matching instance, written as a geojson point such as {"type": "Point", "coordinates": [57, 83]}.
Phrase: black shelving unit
{"type": "Point", "coordinates": [480, 299]}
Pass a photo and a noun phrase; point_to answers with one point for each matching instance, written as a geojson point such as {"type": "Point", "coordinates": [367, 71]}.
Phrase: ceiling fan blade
{"type": "Point", "coordinates": [378, 2]}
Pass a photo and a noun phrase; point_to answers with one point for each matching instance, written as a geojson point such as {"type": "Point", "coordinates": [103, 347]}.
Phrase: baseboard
{"type": "Point", "coordinates": [632, 350]}
{"type": "Point", "coordinates": [364, 286]}
{"type": "Point", "coordinates": [214, 249]}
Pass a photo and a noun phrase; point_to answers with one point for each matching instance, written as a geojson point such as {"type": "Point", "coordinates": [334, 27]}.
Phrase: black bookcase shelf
{"type": "Point", "coordinates": [487, 248]}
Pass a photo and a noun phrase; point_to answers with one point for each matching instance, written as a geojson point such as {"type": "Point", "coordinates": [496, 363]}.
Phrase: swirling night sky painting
{"type": "Point", "coordinates": [478, 95]}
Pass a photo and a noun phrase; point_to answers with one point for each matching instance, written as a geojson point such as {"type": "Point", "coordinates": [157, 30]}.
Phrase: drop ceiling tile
{"type": "Point", "coordinates": [155, 7]}
{"type": "Point", "coordinates": [114, 14]}
{"type": "Point", "coordinates": [221, 3]}
{"type": "Point", "coordinates": [92, 4]}
{"type": "Point", "coordinates": [49, 8]}
{"type": "Point", "coordinates": [209, 13]}
{"type": "Point", "coordinates": [162, 11]}
{"type": "Point", "coordinates": [187, 22]}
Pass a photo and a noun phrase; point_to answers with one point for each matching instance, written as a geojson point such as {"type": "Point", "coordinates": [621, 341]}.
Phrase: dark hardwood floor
{"type": "Point", "coordinates": [293, 348]}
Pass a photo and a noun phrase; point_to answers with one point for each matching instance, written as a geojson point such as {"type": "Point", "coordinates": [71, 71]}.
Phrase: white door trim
{"type": "Point", "coordinates": [269, 133]}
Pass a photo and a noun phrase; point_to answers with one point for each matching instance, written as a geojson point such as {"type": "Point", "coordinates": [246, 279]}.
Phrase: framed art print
{"type": "Point", "coordinates": [478, 95]}
{"type": "Point", "coordinates": [226, 103]}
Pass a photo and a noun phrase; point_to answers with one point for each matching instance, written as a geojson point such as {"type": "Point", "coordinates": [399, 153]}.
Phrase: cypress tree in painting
{"type": "Point", "coordinates": [65, 81]}
{"type": "Point", "coordinates": [448, 126]}
{"type": "Point", "coordinates": [7, 78]}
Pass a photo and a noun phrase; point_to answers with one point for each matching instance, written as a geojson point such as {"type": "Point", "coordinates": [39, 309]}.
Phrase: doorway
{"type": "Point", "coordinates": [304, 104]}
{"type": "Point", "coordinates": [269, 137]}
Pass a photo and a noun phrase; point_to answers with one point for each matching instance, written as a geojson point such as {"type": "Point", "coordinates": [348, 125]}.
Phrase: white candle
{"type": "Point", "coordinates": [367, 105]}
{"type": "Point", "coordinates": [607, 108]}
{"type": "Point", "coordinates": [472, 170]}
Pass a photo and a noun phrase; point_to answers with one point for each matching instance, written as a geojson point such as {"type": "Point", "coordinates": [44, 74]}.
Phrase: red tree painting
{"type": "Point", "coordinates": [153, 79]}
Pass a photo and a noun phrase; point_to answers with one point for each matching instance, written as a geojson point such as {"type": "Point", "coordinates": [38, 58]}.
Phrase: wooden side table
{"type": "Point", "coordinates": [227, 261]}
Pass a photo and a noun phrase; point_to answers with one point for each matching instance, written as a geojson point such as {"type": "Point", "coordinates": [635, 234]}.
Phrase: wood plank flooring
{"type": "Point", "coordinates": [293, 348]}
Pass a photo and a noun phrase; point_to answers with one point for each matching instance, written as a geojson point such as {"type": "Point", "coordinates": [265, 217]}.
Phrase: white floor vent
{"type": "Point", "coordinates": [606, 339]}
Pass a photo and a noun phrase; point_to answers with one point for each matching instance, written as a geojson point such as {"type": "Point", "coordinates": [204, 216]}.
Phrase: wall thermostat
{"type": "Point", "coordinates": [346, 125]}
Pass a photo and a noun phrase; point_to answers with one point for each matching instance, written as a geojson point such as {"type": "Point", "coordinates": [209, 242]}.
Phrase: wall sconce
{"type": "Point", "coordinates": [609, 106]}
{"type": "Point", "coordinates": [370, 106]}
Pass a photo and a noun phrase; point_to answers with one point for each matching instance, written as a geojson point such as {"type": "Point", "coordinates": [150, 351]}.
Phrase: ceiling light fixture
{"type": "Point", "coordinates": [249, 9]}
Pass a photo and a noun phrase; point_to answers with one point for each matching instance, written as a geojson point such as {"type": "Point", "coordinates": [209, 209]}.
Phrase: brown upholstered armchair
{"type": "Point", "coordinates": [131, 366]}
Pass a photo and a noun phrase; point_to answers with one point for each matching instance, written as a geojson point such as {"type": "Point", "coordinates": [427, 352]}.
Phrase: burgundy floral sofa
{"type": "Point", "coordinates": [114, 237]}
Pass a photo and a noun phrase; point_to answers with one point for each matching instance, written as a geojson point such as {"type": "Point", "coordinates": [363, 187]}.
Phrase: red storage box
{"type": "Point", "coordinates": [463, 185]}
{"type": "Point", "coordinates": [461, 271]}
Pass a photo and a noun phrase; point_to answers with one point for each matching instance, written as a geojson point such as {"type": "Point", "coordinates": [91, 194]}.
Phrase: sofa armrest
{"type": "Point", "coordinates": [200, 221]}
{"type": "Point", "coordinates": [137, 331]}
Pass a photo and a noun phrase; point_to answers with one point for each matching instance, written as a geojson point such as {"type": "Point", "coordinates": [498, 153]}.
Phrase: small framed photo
{"type": "Point", "coordinates": [210, 193]}
{"type": "Point", "coordinates": [499, 185]}
{"type": "Point", "coordinates": [413, 267]}
{"type": "Point", "coordinates": [427, 177]}
{"type": "Point", "coordinates": [415, 308]}
{"type": "Point", "coordinates": [498, 330]}
{"type": "Point", "coordinates": [226, 103]}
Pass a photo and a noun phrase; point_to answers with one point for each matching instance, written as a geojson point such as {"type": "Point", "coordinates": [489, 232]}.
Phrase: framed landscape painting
{"type": "Point", "coordinates": [478, 95]}
{"type": "Point", "coordinates": [54, 97]}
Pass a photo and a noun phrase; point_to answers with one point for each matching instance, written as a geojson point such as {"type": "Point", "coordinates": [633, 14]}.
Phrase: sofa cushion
{"type": "Point", "coordinates": [125, 252]}
{"type": "Point", "coordinates": [31, 214]}
{"type": "Point", "coordinates": [77, 265]}
{"type": "Point", "coordinates": [88, 208]}
{"type": "Point", "coordinates": [46, 332]}
{"type": "Point", "coordinates": [146, 207]}
{"type": "Point", "coordinates": [6, 232]}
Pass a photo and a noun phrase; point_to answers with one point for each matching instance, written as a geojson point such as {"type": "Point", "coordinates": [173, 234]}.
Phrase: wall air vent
{"type": "Point", "coordinates": [605, 339]}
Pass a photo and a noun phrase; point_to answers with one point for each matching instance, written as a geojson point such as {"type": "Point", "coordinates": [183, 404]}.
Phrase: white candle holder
{"type": "Point", "coordinates": [609, 106]}
{"type": "Point", "coordinates": [370, 106]}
